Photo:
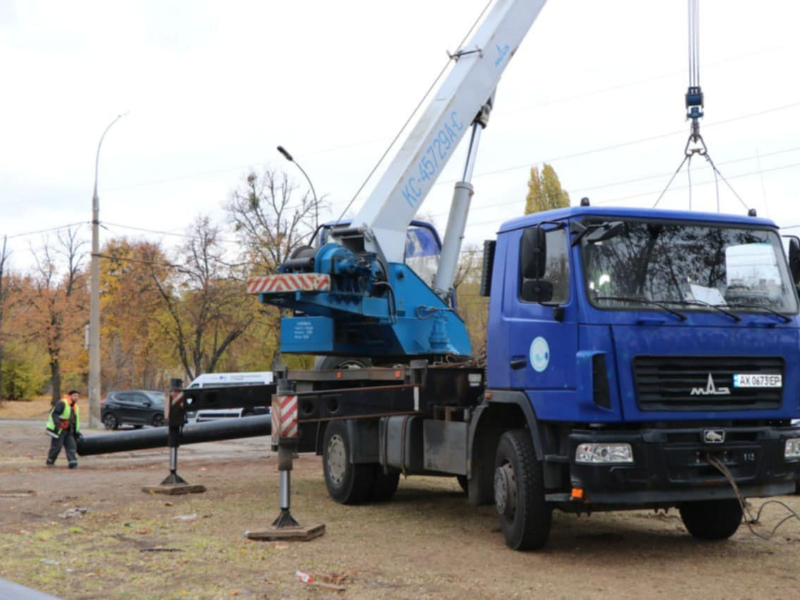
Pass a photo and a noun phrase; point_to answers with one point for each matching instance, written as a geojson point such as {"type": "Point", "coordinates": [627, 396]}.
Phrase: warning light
{"type": "Point", "coordinates": [338, 374]}
{"type": "Point", "coordinates": [398, 373]}
{"type": "Point", "coordinates": [577, 493]}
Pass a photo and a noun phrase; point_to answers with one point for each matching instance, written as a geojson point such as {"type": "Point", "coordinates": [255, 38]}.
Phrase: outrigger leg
{"type": "Point", "coordinates": [176, 415]}
{"type": "Point", "coordinates": [285, 430]}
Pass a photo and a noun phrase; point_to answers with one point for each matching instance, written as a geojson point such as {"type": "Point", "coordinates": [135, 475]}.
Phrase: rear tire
{"type": "Point", "coordinates": [347, 483]}
{"type": "Point", "coordinates": [712, 519]}
{"type": "Point", "coordinates": [158, 420]}
{"type": "Point", "coordinates": [525, 516]}
{"type": "Point", "coordinates": [384, 486]}
{"type": "Point", "coordinates": [333, 363]}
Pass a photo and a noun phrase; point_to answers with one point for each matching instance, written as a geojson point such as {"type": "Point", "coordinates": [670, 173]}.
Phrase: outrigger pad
{"type": "Point", "coordinates": [286, 528]}
{"type": "Point", "coordinates": [288, 534]}
{"type": "Point", "coordinates": [174, 485]}
{"type": "Point", "coordinates": [174, 489]}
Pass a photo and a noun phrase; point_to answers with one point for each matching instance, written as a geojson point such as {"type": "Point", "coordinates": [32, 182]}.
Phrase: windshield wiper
{"type": "Point", "coordinates": [659, 304]}
{"type": "Point", "coordinates": [764, 308]}
{"type": "Point", "coordinates": [716, 307]}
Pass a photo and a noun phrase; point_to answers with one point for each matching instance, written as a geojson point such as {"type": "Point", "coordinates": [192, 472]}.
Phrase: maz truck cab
{"type": "Point", "coordinates": [644, 346]}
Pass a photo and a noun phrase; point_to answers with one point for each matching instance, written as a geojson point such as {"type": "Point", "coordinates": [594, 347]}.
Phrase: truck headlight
{"type": "Point", "coordinates": [607, 453]}
{"type": "Point", "coordinates": [792, 449]}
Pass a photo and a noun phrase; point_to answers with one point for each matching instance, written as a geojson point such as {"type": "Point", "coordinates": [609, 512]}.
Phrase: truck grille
{"type": "Point", "coordinates": [667, 382]}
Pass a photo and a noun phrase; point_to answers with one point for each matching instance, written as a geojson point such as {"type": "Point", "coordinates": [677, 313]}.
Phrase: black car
{"type": "Point", "coordinates": [132, 407]}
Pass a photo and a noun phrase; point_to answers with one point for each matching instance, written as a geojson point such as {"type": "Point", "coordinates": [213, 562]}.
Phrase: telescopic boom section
{"type": "Point", "coordinates": [409, 178]}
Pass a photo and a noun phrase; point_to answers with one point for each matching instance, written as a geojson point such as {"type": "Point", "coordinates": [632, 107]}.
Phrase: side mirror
{"type": "Point", "coordinates": [147, 404]}
{"type": "Point", "coordinates": [536, 290]}
{"type": "Point", "coordinates": [533, 253]}
{"type": "Point", "coordinates": [794, 259]}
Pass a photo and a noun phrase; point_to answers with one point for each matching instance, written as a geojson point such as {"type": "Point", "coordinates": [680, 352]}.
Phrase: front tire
{"type": "Point", "coordinates": [525, 516]}
{"type": "Point", "coordinates": [712, 519]}
{"type": "Point", "coordinates": [347, 483]}
{"type": "Point", "coordinates": [110, 421]}
{"type": "Point", "coordinates": [158, 420]}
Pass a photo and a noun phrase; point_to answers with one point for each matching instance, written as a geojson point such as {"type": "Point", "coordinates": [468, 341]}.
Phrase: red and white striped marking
{"type": "Point", "coordinates": [287, 417]}
{"type": "Point", "coordinates": [175, 399]}
{"type": "Point", "coordinates": [289, 282]}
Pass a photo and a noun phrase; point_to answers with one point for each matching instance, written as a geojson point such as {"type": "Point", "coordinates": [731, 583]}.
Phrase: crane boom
{"type": "Point", "coordinates": [402, 189]}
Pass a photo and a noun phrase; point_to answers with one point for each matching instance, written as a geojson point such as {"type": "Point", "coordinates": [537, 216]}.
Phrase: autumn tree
{"type": "Point", "coordinates": [544, 191]}
{"type": "Point", "coordinates": [269, 218]}
{"type": "Point", "coordinates": [4, 290]}
{"type": "Point", "coordinates": [472, 307]}
{"type": "Point", "coordinates": [272, 220]}
{"type": "Point", "coordinates": [133, 355]}
{"type": "Point", "coordinates": [205, 305]}
{"type": "Point", "coordinates": [58, 305]}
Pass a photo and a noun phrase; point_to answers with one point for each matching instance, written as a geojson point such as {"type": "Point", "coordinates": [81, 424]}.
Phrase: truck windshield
{"type": "Point", "coordinates": [629, 264]}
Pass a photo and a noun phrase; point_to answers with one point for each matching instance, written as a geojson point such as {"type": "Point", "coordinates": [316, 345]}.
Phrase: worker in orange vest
{"type": "Point", "coordinates": [63, 426]}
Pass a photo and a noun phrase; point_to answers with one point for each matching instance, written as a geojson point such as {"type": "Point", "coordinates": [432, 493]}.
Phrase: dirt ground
{"type": "Point", "coordinates": [427, 543]}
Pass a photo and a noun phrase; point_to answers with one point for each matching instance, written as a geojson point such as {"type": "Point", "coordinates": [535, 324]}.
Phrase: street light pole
{"type": "Point", "coordinates": [289, 157]}
{"type": "Point", "coordinates": [94, 307]}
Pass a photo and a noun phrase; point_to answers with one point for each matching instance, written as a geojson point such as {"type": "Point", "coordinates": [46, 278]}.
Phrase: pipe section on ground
{"type": "Point", "coordinates": [142, 439]}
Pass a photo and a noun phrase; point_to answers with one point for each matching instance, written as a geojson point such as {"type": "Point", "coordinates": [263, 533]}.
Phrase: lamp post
{"type": "Point", "coordinates": [94, 307]}
{"type": "Point", "coordinates": [289, 157]}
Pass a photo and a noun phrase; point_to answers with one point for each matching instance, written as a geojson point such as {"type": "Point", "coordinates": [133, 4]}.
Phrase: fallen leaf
{"type": "Point", "coordinates": [168, 504]}
{"type": "Point", "coordinates": [143, 531]}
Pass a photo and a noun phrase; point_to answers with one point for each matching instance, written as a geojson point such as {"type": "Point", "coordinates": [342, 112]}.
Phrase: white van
{"type": "Point", "coordinates": [224, 380]}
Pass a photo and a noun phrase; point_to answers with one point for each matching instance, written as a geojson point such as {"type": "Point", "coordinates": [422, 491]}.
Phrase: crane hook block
{"type": "Point", "coordinates": [694, 103]}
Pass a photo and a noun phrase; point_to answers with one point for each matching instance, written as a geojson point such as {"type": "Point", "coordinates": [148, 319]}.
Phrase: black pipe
{"type": "Point", "coordinates": [158, 437]}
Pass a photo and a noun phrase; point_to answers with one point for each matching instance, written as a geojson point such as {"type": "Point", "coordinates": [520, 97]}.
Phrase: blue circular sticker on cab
{"type": "Point", "coordinates": [540, 354]}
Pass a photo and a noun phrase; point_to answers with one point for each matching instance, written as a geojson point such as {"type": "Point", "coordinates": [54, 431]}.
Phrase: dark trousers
{"type": "Point", "coordinates": [67, 440]}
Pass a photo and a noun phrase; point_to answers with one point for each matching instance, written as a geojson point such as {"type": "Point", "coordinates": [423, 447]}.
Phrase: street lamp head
{"type": "Point", "coordinates": [285, 153]}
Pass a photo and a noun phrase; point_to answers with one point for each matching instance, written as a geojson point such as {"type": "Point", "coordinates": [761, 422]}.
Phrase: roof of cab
{"type": "Point", "coordinates": [631, 213]}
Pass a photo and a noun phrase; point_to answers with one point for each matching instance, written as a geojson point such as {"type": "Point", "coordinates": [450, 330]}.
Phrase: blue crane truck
{"type": "Point", "coordinates": [628, 351]}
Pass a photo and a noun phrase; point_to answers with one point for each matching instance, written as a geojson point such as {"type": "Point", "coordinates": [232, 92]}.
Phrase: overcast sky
{"type": "Point", "coordinates": [213, 87]}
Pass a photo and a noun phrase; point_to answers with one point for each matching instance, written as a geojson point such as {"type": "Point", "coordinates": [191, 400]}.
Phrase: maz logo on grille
{"type": "Point", "coordinates": [711, 389]}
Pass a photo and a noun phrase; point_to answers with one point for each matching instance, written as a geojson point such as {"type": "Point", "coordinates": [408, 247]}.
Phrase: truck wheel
{"type": "Point", "coordinates": [525, 517]}
{"type": "Point", "coordinates": [712, 519]}
{"type": "Point", "coordinates": [384, 486]}
{"type": "Point", "coordinates": [331, 363]}
{"type": "Point", "coordinates": [347, 483]}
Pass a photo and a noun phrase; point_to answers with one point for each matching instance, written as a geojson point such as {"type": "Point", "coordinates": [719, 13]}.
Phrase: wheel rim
{"type": "Point", "coordinates": [158, 420]}
{"type": "Point", "coordinates": [350, 364]}
{"type": "Point", "coordinates": [109, 421]}
{"type": "Point", "coordinates": [505, 491]}
{"type": "Point", "coordinates": [337, 459]}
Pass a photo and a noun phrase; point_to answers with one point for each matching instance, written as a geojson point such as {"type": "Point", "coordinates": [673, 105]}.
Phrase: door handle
{"type": "Point", "coordinates": [517, 363]}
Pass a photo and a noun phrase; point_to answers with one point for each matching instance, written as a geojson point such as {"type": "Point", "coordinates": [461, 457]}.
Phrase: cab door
{"type": "Point", "coordinates": [540, 316]}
